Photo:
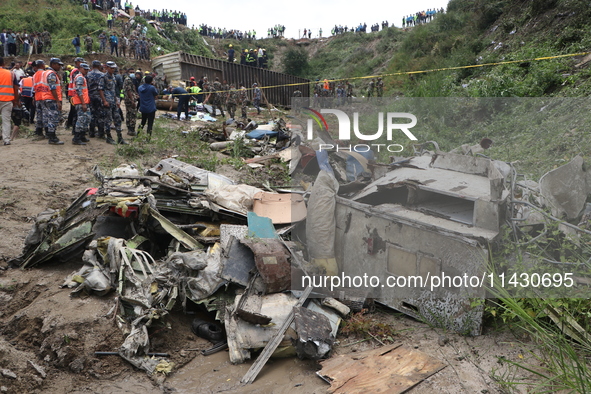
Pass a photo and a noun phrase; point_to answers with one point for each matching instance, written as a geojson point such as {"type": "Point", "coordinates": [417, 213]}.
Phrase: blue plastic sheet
{"type": "Point", "coordinates": [258, 134]}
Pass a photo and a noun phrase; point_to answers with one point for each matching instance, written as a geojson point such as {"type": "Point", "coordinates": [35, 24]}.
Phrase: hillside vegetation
{"type": "Point", "coordinates": [469, 33]}
{"type": "Point", "coordinates": [64, 19]}
{"type": "Point", "coordinates": [473, 33]}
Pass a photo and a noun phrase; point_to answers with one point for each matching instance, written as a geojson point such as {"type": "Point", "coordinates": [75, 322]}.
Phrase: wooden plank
{"type": "Point", "coordinates": [258, 365]}
{"type": "Point", "coordinates": [389, 369]}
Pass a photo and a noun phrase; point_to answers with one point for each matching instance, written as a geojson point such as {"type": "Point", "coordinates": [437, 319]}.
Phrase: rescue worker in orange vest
{"type": "Point", "coordinates": [48, 93]}
{"type": "Point", "coordinates": [37, 93]}
{"type": "Point", "coordinates": [81, 101]}
{"type": "Point", "coordinates": [8, 97]}
{"type": "Point", "coordinates": [72, 92]}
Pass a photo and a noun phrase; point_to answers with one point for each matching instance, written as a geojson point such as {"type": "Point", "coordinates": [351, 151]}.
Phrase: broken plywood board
{"type": "Point", "coordinates": [390, 369]}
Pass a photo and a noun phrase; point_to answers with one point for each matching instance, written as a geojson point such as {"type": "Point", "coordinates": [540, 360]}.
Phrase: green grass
{"type": "Point", "coordinates": [558, 363]}
{"type": "Point", "coordinates": [168, 140]}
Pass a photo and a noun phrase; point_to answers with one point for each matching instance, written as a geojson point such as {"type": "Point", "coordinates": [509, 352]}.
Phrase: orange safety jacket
{"type": "Point", "coordinates": [71, 84]}
{"type": "Point", "coordinates": [27, 87]}
{"type": "Point", "coordinates": [40, 84]}
{"type": "Point", "coordinates": [85, 97]}
{"type": "Point", "coordinates": [45, 93]}
{"type": "Point", "coordinates": [6, 85]}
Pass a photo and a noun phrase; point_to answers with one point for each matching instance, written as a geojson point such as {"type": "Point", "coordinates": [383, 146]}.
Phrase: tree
{"type": "Point", "coordinates": [296, 62]}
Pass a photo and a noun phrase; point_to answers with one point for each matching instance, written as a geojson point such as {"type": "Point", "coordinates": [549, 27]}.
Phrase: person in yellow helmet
{"type": "Point", "coordinates": [231, 54]}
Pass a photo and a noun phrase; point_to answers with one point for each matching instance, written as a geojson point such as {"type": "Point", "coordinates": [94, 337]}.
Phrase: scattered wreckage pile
{"type": "Point", "coordinates": [257, 143]}
{"type": "Point", "coordinates": [180, 234]}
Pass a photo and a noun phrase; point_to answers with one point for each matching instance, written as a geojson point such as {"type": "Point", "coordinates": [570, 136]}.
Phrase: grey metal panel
{"type": "Point", "coordinates": [393, 243]}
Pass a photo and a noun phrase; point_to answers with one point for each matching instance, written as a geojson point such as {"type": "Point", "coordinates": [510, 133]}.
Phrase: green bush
{"type": "Point", "coordinates": [295, 62]}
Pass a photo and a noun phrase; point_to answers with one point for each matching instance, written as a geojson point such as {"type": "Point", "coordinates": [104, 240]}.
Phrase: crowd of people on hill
{"type": "Point", "coordinates": [216, 32]}
{"type": "Point", "coordinates": [376, 27]}
{"type": "Point", "coordinates": [114, 6]}
{"type": "Point", "coordinates": [15, 43]}
{"type": "Point", "coordinates": [222, 33]}
{"type": "Point", "coordinates": [276, 31]}
{"type": "Point", "coordinates": [132, 44]}
{"type": "Point", "coordinates": [273, 32]}
{"type": "Point", "coordinates": [420, 17]}
{"type": "Point", "coordinates": [169, 16]}
{"type": "Point", "coordinates": [361, 28]}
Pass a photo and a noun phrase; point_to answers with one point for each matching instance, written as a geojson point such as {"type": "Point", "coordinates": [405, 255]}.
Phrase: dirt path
{"type": "Point", "coordinates": [48, 339]}
{"type": "Point", "coordinates": [35, 175]}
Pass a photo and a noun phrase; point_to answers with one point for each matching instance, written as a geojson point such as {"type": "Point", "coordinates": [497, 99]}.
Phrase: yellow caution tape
{"type": "Point", "coordinates": [412, 72]}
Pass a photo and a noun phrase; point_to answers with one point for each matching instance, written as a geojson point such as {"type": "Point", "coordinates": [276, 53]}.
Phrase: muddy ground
{"type": "Point", "coordinates": [48, 339]}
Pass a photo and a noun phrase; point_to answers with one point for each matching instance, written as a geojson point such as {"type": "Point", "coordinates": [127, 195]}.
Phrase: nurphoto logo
{"type": "Point", "coordinates": [392, 121]}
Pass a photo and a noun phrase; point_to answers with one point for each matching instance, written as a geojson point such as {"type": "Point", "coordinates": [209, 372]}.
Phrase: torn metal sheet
{"type": "Point", "coordinates": [331, 314]}
{"type": "Point", "coordinates": [238, 263]}
{"type": "Point", "coordinates": [47, 222]}
{"type": "Point", "coordinates": [565, 189]}
{"type": "Point", "coordinates": [274, 342]}
{"type": "Point", "coordinates": [92, 279]}
{"type": "Point", "coordinates": [389, 369]}
{"type": "Point", "coordinates": [185, 239]}
{"type": "Point", "coordinates": [192, 174]}
{"type": "Point", "coordinates": [60, 234]}
{"type": "Point", "coordinates": [272, 261]}
{"type": "Point", "coordinates": [244, 336]}
{"type": "Point", "coordinates": [296, 156]}
{"type": "Point", "coordinates": [67, 243]}
{"type": "Point", "coordinates": [315, 338]}
{"type": "Point", "coordinates": [131, 269]}
{"type": "Point", "coordinates": [227, 212]}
